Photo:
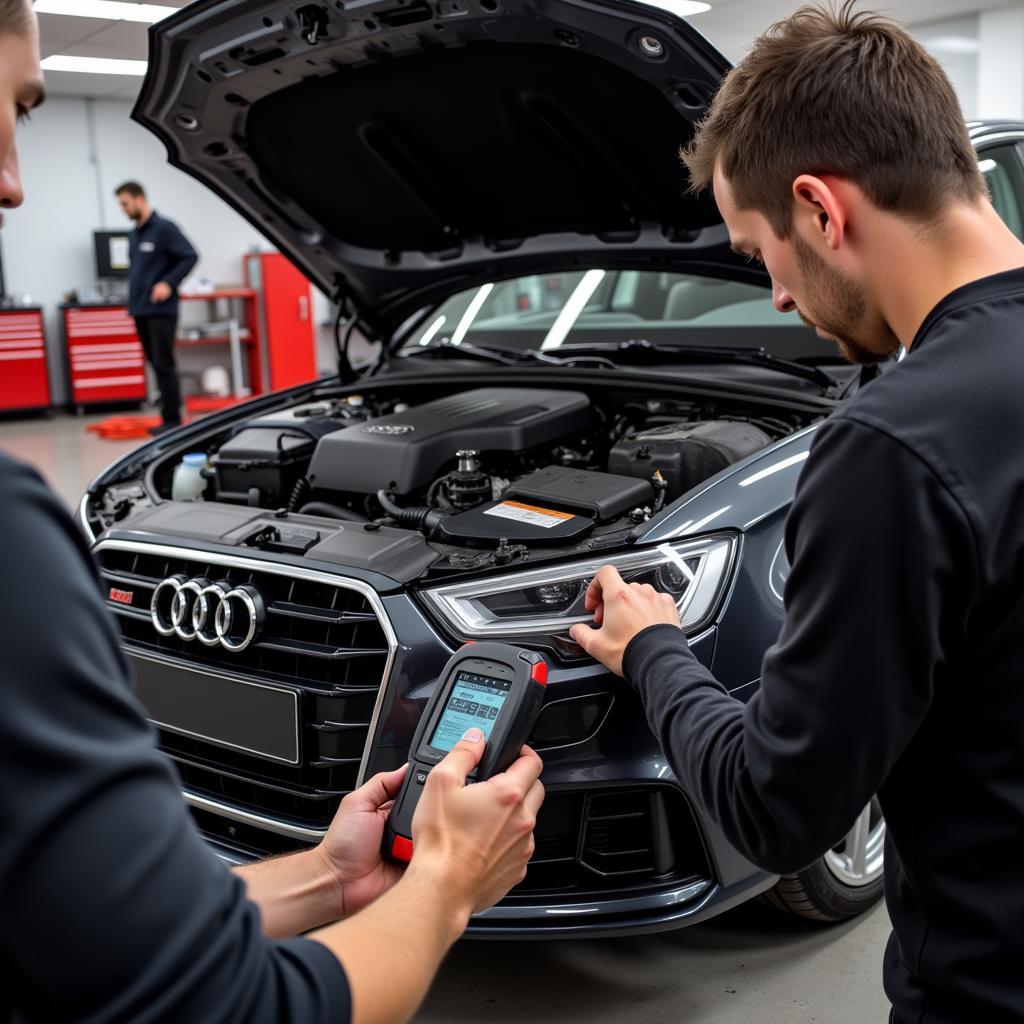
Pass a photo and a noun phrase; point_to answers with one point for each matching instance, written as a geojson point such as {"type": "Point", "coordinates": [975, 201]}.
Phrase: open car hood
{"type": "Point", "coordinates": [400, 150]}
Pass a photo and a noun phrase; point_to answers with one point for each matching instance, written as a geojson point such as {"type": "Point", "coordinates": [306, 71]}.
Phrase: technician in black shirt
{"type": "Point", "coordinates": [161, 258]}
{"type": "Point", "coordinates": [111, 907]}
{"type": "Point", "coordinates": [838, 156]}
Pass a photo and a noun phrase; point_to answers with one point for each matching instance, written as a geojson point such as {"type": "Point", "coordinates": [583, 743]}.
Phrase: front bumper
{"type": "Point", "coordinates": [619, 847]}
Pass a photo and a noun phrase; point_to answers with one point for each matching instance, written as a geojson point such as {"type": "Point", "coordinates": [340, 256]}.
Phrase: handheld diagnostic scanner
{"type": "Point", "coordinates": [495, 687]}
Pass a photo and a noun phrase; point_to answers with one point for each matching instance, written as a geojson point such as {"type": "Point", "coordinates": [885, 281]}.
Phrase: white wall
{"type": "Point", "coordinates": [954, 43]}
{"type": "Point", "coordinates": [73, 154]}
{"type": "Point", "coordinates": [1001, 72]}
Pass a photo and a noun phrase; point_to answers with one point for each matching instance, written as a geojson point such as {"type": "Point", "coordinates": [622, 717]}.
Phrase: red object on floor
{"type": "Point", "coordinates": [124, 428]}
{"type": "Point", "coordinates": [210, 403]}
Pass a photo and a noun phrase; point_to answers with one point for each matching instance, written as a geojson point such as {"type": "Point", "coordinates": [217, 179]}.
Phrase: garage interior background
{"type": "Point", "coordinates": [82, 143]}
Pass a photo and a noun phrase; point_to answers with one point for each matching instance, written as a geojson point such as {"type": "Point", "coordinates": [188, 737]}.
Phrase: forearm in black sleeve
{"type": "Point", "coordinates": [182, 252]}
{"type": "Point", "coordinates": [113, 909]}
{"type": "Point", "coordinates": [883, 569]}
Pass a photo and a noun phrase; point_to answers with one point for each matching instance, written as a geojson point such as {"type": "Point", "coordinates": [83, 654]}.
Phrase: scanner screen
{"type": "Point", "coordinates": [475, 700]}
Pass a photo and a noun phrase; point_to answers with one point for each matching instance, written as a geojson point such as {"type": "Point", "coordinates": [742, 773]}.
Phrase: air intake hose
{"type": "Point", "coordinates": [299, 493]}
{"type": "Point", "coordinates": [415, 517]}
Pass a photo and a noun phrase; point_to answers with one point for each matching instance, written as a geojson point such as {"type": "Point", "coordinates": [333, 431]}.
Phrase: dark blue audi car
{"type": "Point", "coordinates": [567, 367]}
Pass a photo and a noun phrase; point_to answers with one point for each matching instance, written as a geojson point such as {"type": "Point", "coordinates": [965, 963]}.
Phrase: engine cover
{"type": "Point", "coordinates": [406, 451]}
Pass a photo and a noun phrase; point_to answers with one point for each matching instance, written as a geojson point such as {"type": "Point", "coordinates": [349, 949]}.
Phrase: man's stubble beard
{"type": "Point", "coordinates": [839, 307]}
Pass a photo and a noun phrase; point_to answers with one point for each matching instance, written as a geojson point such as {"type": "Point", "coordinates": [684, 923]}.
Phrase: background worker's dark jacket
{"type": "Point", "coordinates": [158, 252]}
{"type": "Point", "coordinates": [900, 667]}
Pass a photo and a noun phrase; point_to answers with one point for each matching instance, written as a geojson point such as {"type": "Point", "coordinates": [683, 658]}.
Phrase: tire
{"type": "Point", "coordinates": [843, 883]}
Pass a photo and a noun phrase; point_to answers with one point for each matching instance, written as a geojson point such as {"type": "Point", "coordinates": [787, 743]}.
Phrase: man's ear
{"type": "Point", "coordinates": [820, 206]}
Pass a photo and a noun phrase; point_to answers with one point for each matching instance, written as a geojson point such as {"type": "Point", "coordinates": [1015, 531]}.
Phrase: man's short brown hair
{"type": "Point", "coordinates": [837, 92]}
{"type": "Point", "coordinates": [132, 188]}
{"type": "Point", "coordinates": [15, 16]}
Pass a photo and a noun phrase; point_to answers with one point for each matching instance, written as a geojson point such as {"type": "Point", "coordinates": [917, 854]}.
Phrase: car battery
{"type": "Point", "coordinates": [259, 466]}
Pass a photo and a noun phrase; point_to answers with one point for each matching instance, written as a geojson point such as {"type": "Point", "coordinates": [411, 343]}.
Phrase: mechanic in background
{"type": "Point", "coordinates": [113, 909]}
{"type": "Point", "coordinates": [161, 258]}
{"type": "Point", "coordinates": [839, 158]}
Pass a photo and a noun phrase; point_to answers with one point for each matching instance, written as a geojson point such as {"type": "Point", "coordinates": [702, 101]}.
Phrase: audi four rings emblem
{"type": "Point", "coordinates": [389, 429]}
{"type": "Point", "coordinates": [214, 612]}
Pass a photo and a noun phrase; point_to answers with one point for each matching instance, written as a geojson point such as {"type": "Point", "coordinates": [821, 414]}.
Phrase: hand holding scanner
{"type": "Point", "coordinates": [495, 687]}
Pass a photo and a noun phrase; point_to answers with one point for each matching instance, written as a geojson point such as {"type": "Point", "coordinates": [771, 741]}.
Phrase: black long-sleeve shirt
{"type": "Point", "coordinates": [900, 666]}
{"type": "Point", "coordinates": [158, 251]}
{"type": "Point", "coordinates": [111, 907]}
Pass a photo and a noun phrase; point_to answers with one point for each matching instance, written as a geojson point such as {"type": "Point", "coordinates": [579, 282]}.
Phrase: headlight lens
{"type": "Point", "coordinates": [546, 602]}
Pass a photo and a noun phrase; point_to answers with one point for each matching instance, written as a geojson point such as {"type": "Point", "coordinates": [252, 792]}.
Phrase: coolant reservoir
{"type": "Point", "coordinates": [188, 483]}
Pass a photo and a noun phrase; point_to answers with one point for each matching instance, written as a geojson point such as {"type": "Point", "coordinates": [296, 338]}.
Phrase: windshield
{"type": "Point", "coordinates": [598, 307]}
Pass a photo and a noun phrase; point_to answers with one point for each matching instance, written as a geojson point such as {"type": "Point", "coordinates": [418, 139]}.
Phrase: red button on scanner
{"type": "Point", "coordinates": [401, 849]}
{"type": "Point", "coordinates": [539, 673]}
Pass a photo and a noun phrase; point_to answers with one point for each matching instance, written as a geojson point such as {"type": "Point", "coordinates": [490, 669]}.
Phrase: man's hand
{"type": "Point", "coordinates": [621, 610]}
{"type": "Point", "coordinates": [351, 848]}
{"type": "Point", "coordinates": [477, 838]}
{"type": "Point", "coordinates": [161, 292]}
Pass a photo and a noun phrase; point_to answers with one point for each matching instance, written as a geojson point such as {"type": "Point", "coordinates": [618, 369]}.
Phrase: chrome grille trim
{"type": "Point", "coordinates": [297, 572]}
{"type": "Point", "coordinates": [282, 828]}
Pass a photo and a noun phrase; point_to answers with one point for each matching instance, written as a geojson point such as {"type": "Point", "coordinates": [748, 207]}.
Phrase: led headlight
{"type": "Point", "coordinates": [546, 602]}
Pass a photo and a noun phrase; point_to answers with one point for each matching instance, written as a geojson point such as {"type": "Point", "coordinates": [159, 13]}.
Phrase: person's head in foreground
{"type": "Point", "coordinates": [21, 90]}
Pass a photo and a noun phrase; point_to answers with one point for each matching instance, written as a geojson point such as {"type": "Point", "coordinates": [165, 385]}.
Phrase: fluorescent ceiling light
{"type": "Point", "coordinates": [471, 311]}
{"type": "Point", "coordinates": [953, 44]}
{"type": "Point", "coordinates": [682, 8]}
{"type": "Point", "coordinates": [94, 65]}
{"type": "Point", "coordinates": [428, 335]}
{"type": "Point", "coordinates": [111, 10]}
{"type": "Point", "coordinates": [572, 309]}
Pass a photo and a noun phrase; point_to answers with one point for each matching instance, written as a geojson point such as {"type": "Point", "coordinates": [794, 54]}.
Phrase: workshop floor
{"type": "Point", "coordinates": [749, 966]}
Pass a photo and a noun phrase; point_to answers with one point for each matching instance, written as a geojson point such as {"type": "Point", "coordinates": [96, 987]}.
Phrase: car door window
{"type": "Point", "coordinates": [1004, 174]}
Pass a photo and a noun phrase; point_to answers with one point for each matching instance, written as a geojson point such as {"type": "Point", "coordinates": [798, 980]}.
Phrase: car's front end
{"type": "Point", "coordinates": [571, 373]}
{"type": "Point", "coordinates": [332, 632]}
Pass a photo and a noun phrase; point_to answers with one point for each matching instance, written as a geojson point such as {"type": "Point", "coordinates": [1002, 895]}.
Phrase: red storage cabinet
{"type": "Point", "coordinates": [24, 374]}
{"type": "Point", "coordinates": [285, 312]}
{"type": "Point", "coordinates": [105, 358]}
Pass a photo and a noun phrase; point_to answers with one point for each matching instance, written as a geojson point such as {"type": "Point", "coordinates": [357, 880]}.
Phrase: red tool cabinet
{"type": "Point", "coordinates": [285, 311]}
{"type": "Point", "coordinates": [24, 374]}
{"type": "Point", "coordinates": [105, 359]}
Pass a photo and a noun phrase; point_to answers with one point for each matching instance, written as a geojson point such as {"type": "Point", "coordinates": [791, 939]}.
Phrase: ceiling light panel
{"type": "Point", "coordinates": [108, 10]}
{"type": "Point", "coordinates": [94, 65]}
{"type": "Point", "coordinates": [681, 8]}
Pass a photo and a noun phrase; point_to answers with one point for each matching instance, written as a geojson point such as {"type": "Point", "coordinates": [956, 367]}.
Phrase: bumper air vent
{"type": "Point", "coordinates": [589, 843]}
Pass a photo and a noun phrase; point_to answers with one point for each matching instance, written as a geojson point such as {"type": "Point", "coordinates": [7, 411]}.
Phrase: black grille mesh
{"type": "Point", "coordinates": [325, 639]}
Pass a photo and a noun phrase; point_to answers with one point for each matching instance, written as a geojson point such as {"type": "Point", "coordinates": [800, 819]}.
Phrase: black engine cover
{"type": "Point", "coordinates": [686, 454]}
{"type": "Point", "coordinates": [406, 451]}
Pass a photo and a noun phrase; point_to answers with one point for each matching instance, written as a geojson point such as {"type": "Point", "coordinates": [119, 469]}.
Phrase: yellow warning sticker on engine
{"type": "Point", "coordinates": [543, 517]}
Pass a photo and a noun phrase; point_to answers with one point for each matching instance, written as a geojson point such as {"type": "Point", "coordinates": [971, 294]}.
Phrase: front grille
{"type": "Point", "coordinates": [321, 636]}
{"type": "Point", "coordinates": [315, 632]}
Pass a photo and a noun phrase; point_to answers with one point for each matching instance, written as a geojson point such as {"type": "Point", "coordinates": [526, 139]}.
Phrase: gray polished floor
{"type": "Point", "coordinates": [750, 966]}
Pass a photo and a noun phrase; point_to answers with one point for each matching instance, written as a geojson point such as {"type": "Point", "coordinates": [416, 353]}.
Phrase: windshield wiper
{"type": "Point", "coordinates": [638, 351]}
{"type": "Point", "coordinates": [464, 350]}
{"type": "Point", "coordinates": [513, 357]}
{"type": "Point", "coordinates": [643, 352]}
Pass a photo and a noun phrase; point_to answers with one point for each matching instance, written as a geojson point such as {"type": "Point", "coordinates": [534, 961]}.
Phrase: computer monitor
{"type": "Point", "coordinates": [111, 248]}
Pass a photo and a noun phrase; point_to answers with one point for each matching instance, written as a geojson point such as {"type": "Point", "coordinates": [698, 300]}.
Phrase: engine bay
{"type": "Point", "coordinates": [480, 477]}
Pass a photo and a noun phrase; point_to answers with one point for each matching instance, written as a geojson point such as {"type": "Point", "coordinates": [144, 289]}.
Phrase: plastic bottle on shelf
{"type": "Point", "coordinates": [189, 483]}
